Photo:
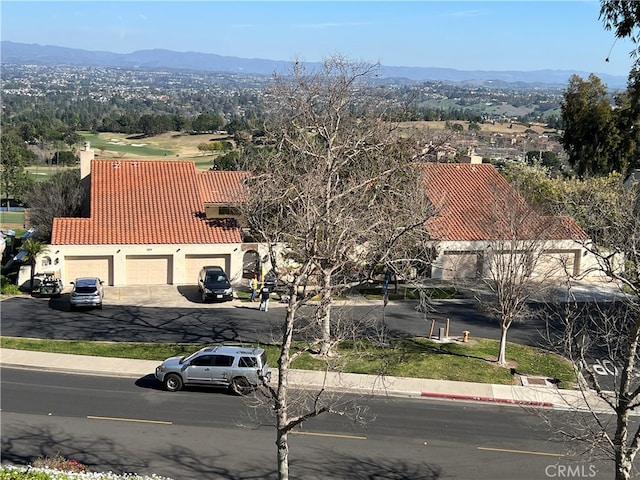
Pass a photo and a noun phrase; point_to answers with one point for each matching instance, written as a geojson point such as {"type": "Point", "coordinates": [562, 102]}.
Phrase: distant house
{"type": "Point", "coordinates": [476, 209]}
{"type": "Point", "coordinates": [154, 222]}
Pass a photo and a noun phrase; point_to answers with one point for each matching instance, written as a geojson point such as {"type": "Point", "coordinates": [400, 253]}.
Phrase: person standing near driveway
{"type": "Point", "coordinates": [254, 288]}
{"type": "Point", "coordinates": [265, 293]}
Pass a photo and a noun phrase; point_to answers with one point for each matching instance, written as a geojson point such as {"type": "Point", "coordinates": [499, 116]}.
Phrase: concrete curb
{"type": "Point", "coordinates": [474, 398]}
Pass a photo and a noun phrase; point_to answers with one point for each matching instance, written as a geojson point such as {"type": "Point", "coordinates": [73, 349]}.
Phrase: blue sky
{"type": "Point", "coordinates": [477, 35]}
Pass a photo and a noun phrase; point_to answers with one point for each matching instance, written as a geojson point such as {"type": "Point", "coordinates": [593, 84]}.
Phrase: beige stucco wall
{"type": "Point", "coordinates": [118, 256]}
{"type": "Point", "coordinates": [446, 262]}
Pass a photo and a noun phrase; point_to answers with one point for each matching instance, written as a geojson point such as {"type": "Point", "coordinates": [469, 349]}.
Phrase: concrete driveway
{"type": "Point", "coordinates": [158, 296]}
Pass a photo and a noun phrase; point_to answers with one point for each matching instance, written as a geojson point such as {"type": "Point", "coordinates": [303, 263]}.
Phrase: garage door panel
{"type": "Point", "coordinates": [193, 264]}
{"type": "Point", "coordinates": [149, 270]}
{"type": "Point", "coordinates": [556, 263]}
{"type": "Point", "coordinates": [92, 266]}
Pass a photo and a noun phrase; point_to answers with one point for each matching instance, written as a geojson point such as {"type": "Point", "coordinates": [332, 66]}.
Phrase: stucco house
{"type": "Point", "coordinates": [478, 212]}
{"type": "Point", "coordinates": [153, 222]}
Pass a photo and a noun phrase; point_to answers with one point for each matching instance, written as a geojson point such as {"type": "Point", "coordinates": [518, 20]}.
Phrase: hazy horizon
{"type": "Point", "coordinates": [488, 35]}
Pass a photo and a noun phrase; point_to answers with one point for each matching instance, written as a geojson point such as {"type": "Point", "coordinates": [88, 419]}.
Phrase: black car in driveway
{"type": "Point", "coordinates": [213, 284]}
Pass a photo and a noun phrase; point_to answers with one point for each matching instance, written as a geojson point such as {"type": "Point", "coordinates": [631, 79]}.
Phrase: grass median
{"type": "Point", "coordinates": [410, 357]}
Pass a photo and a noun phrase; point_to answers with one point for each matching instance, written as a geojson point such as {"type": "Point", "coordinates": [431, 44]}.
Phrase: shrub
{"type": "Point", "coordinates": [8, 288]}
{"type": "Point", "coordinates": [59, 462]}
{"type": "Point", "coordinates": [10, 472]}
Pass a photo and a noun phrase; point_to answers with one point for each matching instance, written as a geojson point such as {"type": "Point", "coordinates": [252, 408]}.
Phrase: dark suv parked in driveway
{"type": "Point", "coordinates": [213, 284]}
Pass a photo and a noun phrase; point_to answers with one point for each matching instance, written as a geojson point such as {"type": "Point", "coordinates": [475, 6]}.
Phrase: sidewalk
{"type": "Point", "coordinates": [532, 395]}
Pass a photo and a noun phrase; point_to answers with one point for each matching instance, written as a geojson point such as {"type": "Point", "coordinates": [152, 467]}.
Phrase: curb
{"type": "Point", "coordinates": [473, 398]}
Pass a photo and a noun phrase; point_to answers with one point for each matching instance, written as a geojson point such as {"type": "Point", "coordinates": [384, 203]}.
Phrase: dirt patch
{"type": "Point", "coordinates": [512, 128]}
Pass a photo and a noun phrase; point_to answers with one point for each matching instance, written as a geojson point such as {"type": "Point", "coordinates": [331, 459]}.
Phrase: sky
{"type": "Point", "coordinates": [497, 35]}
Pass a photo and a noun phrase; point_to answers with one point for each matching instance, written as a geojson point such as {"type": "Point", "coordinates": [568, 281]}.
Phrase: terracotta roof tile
{"type": "Point", "coordinates": [152, 202]}
{"type": "Point", "coordinates": [474, 202]}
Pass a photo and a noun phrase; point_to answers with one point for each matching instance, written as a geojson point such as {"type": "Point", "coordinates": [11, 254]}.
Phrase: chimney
{"type": "Point", "coordinates": [86, 155]}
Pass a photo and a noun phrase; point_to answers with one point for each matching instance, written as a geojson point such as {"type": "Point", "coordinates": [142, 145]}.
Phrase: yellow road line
{"type": "Point", "coordinates": [335, 435]}
{"type": "Point", "coordinates": [134, 420]}
{"type": "Point", "coordinates": [528, 452]}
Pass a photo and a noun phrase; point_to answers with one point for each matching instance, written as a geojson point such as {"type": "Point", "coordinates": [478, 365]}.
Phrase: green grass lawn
{"type": "Point", "coordinates": [417, 357]}
{"type": "Point", "coordinates": [41, 173]}
{"type": "Point", "coordinates": [118, 143]}
{"type": "Point", "coordinates": [12, 219]}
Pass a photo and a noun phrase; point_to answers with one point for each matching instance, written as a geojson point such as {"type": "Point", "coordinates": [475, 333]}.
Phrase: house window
{"type": "Point", "coordinates": [228, 211]}
{"type": "Point", "coordinates": [46, 261]}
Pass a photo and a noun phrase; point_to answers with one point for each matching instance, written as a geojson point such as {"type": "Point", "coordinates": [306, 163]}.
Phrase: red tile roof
{"type": "Point", "coordinates": [152, 202]}
{"type": "Point", "coordinates": [474, 202]}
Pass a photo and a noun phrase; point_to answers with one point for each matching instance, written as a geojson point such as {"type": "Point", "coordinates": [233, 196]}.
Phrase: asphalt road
{"type": "Point", "coordinates": [51, 319]}
{"type": "Point", "coordinates": [131, 425]}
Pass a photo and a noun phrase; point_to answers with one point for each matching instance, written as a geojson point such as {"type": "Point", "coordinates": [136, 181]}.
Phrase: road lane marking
{"type": "Point", "coordinates": [528, 452]}
{"type": "Point", "coordinates": [335, 435]}
{"type": "Point", "coordinates": [133, 420]}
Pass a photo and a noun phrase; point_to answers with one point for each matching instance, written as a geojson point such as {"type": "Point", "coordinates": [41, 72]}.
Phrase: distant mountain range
{"type": "Point", "coordinates": [23, 53]}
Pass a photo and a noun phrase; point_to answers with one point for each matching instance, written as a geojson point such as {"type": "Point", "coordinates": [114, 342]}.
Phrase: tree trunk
{"type": "Point", "coordinates": [623, 462]}
{"type": "Point", "coordinates": [502, 354]}
{"type": "Point", "coordinates": [283, 453]}
{"type": "Point", "coordinates": [33, 274]}
{"type": "Point", "coordinates": [624, 451]}
{"type": "Point", "coordinates": [325, 315]}
{"type": "Point", "coordinates": [281, 401]}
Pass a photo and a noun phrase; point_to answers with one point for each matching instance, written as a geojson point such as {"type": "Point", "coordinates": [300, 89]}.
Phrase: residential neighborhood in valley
{"type": "Point", "coordinates": [349, 207]}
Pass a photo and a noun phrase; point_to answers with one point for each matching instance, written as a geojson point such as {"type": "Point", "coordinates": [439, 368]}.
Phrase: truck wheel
{"type": "Point", "coordinates": [172, 382]}
{"type": "Point", "coordinates": [240, 386]}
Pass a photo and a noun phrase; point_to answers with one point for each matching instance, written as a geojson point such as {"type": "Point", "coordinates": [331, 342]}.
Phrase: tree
{"type": "Point", "coordinates": [517, 268]}
{"type": "Point", "coordinates": [64, 158]}
{"type": "Point", "coordinates": [591, 137]}
{"type": "Point", "coordinates": [33, 249]}
{"type": "Point", "coordinates": [611, 331]}
{"type": "Point", "coordinates": [15, 157]}
{"type": "Point", "coordinates": [228, 161]}
{"type": "Point", "coordinates": [332, 191]}
{"type": "Point", "coordinates": [628, 121]}
{"type": "Point", "coordinates": [60, 196]}
{"type": "Point", "coordinates": [207, 122]}
{"type": "Point", "coordinates": [623, 17]}
{"type": "Point", "coordinates": [72, 138]}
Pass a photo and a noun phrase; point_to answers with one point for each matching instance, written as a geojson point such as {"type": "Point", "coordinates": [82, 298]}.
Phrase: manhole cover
{"type": "Point", "coordinates": [536, 381]}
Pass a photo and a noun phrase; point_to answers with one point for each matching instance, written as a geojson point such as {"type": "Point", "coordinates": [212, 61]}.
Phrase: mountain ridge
{"type": "Point", "coordinates": [32, 53]}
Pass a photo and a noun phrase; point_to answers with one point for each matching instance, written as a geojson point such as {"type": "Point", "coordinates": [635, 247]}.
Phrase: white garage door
{"type": "Point", "coordinates": [460, 265]}
{"type": "Point", "coordinates": [101, 267]}
{"type": "Point", "coordinates": [557, 263]}
{"type": "Point", "coordinates": [149, 270]}
{"type": "Point", "coordinates": [193, 264]}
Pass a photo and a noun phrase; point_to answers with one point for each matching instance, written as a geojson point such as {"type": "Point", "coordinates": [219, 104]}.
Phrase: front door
{"type": "Point", "coordinates": [201, 369]}
{"type": "Point", "coordinates": [222, 371]}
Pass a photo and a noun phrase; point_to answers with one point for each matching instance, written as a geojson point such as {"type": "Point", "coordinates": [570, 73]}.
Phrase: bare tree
{"type": "Point", "coordinates": [518, 263]}
{"type": "Point", "coordinates": [608, 331]}
{"type": "Point", "coordinates": [60, 196]}
{"type": "Point", "coordinates": [332, 191]}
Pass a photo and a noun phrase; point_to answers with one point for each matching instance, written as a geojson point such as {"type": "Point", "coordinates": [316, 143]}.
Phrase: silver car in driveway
{"type": "Point", "coordinates": [87, 292]}
{"type": "Point", "coordinates": [241, 369]}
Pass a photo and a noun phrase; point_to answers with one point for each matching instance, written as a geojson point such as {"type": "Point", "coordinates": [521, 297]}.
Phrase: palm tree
{"type": "Point", "coordinates": [33, 248]}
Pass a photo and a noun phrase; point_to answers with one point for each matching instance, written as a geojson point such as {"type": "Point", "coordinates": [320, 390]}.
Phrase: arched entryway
{"type": "Point", "coordinates": [250, 264]}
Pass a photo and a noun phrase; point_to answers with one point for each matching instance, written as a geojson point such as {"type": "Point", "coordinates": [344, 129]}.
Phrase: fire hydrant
{"type": "Point", "coordinates": [465, 336]}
